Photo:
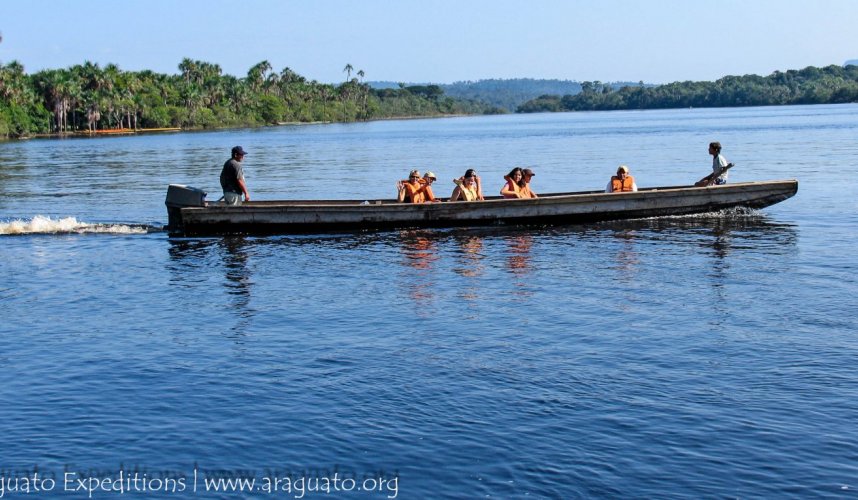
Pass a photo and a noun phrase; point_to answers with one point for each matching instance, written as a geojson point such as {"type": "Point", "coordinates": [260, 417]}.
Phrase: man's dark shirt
{"type": "Point", "coordinates": [230, 175]}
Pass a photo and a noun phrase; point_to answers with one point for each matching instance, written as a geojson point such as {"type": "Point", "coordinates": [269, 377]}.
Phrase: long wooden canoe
{"type": "Point", "coordinates": [190, 215]}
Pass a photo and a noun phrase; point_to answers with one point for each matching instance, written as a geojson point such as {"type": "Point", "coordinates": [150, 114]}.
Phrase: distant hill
{"type": "Point", "coordinates": [390, 85]}
{"type": "Point", "coordinates": [511, 93]}
{"type": "Point", "coordinates": [507, 94]}
{"type": "Point", "coordinates": [851, 62]}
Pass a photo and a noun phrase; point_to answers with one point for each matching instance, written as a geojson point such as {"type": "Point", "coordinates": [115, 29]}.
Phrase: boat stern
{"type": "Point", "coordinates": [180, 196]}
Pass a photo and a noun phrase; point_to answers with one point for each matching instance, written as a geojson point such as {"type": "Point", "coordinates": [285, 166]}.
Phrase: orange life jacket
{"type": "Point", "coordinates": [414, 194]}
{"type": "Point", "coordinates": [618, 185]}
{"type": "Point", "coordinates": [515, 189]}
{"type": "Point", "coordinates": [525, 192]}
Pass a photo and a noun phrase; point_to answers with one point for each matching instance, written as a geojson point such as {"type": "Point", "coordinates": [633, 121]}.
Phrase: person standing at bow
{"type": "Point", "coordinates": [232, 178]}
{"type": "Point", "coordinates": [719, 164]}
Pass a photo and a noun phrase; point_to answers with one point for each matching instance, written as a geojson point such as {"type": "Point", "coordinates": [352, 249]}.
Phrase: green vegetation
{"type": "Point", "coordinates": [828, 85]}
{"type": "Point", "coordinates": [509, 94]}
{"type": "Point", "coordinates": [506, 94]}
{"type": "Point", "coordinates": [88, 97]}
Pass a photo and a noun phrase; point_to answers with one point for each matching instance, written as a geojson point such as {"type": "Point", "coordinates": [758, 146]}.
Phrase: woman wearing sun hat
{"type": "Point", "coordinates": [428, 179]}
{"type": "Point", "coordinates": [417, 189]}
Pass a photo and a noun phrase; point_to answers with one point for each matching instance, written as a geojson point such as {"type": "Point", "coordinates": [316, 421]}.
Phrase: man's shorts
{"type": "Point", "coordinates": [231, 198]}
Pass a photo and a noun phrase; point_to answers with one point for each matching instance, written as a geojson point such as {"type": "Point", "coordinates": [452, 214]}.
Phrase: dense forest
{"type": "Point", "coordinates": [86, 98]}
{"type": "Point", "coordinates": [507, 94]}
{"type": "Point", "coordinates": [89, 97]}
{"type": "Point", "coordinates": [811, 85]}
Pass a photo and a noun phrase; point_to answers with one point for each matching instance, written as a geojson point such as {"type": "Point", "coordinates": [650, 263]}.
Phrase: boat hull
{"type": "Point", "coordinates": [281, 217]}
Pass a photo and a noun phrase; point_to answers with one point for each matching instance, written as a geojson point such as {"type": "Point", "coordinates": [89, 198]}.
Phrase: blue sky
{"type": "Point", "coordinates": [439, 41]}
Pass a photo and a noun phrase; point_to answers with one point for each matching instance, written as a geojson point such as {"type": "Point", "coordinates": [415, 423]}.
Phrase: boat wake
{"type": "Point", "coordinates": [727, 213]}
{"type": "Point", "coordinates": [69, 225]}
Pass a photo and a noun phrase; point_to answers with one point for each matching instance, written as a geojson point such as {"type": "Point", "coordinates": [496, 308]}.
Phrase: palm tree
{"type": "Point", "coordinates": [188, 69]}
{"type": "Point", "coordinates": [271, 82]}
{"type": "Point", "coordinates": [13, 84]}
{"type": "Point", "coordinates": [111, 94]}
{"type": "Point", "coordinates": [256, 75]}
{"type": "Point", "coordinates": [348, 71]}
{"type": "Point", "coordinates": [364, 91]}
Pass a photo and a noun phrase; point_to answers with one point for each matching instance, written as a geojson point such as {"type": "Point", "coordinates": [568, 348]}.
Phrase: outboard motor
{"type": "Point", "coordinates": [179, 196]}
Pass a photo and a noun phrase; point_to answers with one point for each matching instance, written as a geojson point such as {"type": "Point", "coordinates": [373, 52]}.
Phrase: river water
{"type": "Point", "coordinates": [707, 356]}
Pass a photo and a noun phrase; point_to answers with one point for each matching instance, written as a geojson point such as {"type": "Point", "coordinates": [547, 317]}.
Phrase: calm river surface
{"type": "Point", "coordinates": [711, 356]}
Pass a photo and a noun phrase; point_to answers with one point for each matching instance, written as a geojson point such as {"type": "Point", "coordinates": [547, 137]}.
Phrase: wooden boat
{"type": "Point", "coordinates": [191, 215]}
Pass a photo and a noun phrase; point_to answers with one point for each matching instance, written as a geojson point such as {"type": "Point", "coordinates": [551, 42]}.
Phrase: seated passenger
{"type": "Point", "coordinates": [622, 182]}
{"type": "Point", "coordinates": [524, 185]}
{"type": "Point", "coordinates": [467, 187]}
{"type": "Point", "coordinates": [428, 179]}
{"type": "Point", "coordinates": [412, 190]}
{"type": "Point", "coordinates": [512, 189]}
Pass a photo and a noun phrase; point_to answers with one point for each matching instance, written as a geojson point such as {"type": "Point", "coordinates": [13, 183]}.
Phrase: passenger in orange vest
{"type": "Point", "coordinates": [524, 185]}
{"type": "Point", "coordinates": [622, 182]}
{"type": "Point", "coordinates": [428, 179]}
{"type": "Point", "coordinates": [467, 187]}
{"type": "Point", "coordinates": [512, 189]}
{"type": "Point", "coordinates": [412, 190]}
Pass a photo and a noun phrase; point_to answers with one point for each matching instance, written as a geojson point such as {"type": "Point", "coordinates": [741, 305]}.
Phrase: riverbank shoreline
{"type": "Point", "coordinates": [102, 132]}
{"type": "Point", "coordinates": [127, 131]}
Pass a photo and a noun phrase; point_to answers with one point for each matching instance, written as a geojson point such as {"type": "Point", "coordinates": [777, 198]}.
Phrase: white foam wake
{"type": "Point", "coordinates": [45, 225]}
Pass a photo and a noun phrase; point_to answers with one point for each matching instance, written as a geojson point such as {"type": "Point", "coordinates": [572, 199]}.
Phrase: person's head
{"type": "Point", "coordinates": [527, 174]}
{"type": "Point", "coordinates": [429, 177]}
{"type": "Point", "coordinates": [238, 153]}
{"type": "Point", "coordinates": [714, 148]}
{"type": "Point", "coordinates": [622, 171]}
{"type": "Point", "coordinates": [470, 176]}
{"type": "Point", "coordinates": [414, 176]}
{"type": "Point", "coordinates": [515, 174]}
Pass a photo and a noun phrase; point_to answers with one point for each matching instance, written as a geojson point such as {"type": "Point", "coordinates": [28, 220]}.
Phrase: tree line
{"type": "Point", "coordinates": [829, 85]}
{"type": "Point", "coordinates": [89, 97]}
{"type": "Point", "coordinates": [509, 94]}
{"type": "Point", "coordinates": [506, 95]}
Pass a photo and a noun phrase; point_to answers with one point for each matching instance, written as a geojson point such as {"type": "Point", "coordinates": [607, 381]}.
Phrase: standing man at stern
{"type": "Point", "coordinates": [232, 178]}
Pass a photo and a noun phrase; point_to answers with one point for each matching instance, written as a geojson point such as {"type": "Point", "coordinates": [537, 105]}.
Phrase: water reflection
{"type": "Point", "coordinates": [518, 254]}
{"type": "Point", "coordinates": [719, 232]}
{"type": "Point", "coordinates": [238, 282]}
{"type": "Point", "coordinates": [233, 256]}
{"type": "Point", "coordinates": [469, 265]}
{"type": "Point", "coordinates": [469, 256]}
{"type": "Point", "coordinates": [718, 236]}
{"type": "Point", "coordinates": [419, 250]}
{"type": "Point", "coordinates": [627, 261]}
